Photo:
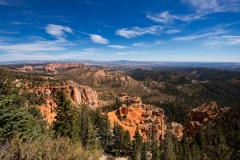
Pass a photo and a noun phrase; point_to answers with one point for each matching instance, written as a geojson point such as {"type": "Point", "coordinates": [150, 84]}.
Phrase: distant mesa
{"type": "Point", "coordinates": [50, 68]}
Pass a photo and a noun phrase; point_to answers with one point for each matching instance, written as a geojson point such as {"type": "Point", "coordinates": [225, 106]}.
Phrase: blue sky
{"type": "Point", "coordinates": [142, 30]}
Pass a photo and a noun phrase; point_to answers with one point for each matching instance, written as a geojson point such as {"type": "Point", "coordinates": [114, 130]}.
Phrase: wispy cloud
{"type": "Point", "coordinates": [4, 2]}
{"type": "Point", "coordinates": [98, 39]}
{"type": "Point", "coordinates": [33, 47]}
{"type": "Point", "coordinates": [210, 6]}
{"type": "Point", "coordinates": [172, 31]}
{"type": "Point", "coordinates": [141, 44]}
{"type": "Point", "coordinates": [223, 41]}
{"type": "Point", "coordinates": [137, 31]}
{"type": "Point", "coordinates": [124, 53]}
{"type": "Point", "coordinates": [166, 17]}
{"type": "Point", "coordinates": [58, 31]}
{"type": "Point", "coordinates": [196, 36]}
{"type": "Point", "coordinates": [8, 32]}
{"type": "Point", "coordinates": [117, 46]}
{"type": "Point", "coordinates": [12, 3]}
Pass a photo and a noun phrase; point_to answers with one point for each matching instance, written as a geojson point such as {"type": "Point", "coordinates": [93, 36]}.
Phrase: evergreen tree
{"type": "Point", "coordinates": [118, 133]}
{"type": "Point", "coordinates": [104, 131]}
{"type": "Point", "coordinates": [169, 153]}
{"type": "Point", "coordinates": [134, 155]}
{"type": "Point", "coordinates": [138, 139]}
{"type": "Point", "coordinates": [200, 141]}
{"type": "Point", "coordinates": [144, 152]}
{"type": "Point", "coordinates": [185, 146]}
{"type": "Point", "coordinates": [67, 123]}
{"type": "Point", "coordinates": [87, 132]}
{"type": "Point", "coordinates": [126, 141]}
{"type": "Point", "coordinates": [16, 121]}
{"type": "Point", "coordinates": [154, 146]}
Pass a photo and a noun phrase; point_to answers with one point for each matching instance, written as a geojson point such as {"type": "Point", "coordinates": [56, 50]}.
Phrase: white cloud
{"type": "Point", "coordinates": [163, 17]}
{"type": "Point", "coordinates": [58, 31]}
{"type": "Point", "coordinates": [192, 37]}
{"type": "Point", "coordinates": [166, 17]}
{"type": "Point", "coordinates": [223, 41]}
{"type": "Point", "coordinates": [98, 39]}
{"type": "Point", "coordinates": [137, 31]}
{"type": "Point", "coordinates": [172, 31]}
{"type": "Point", "coordinates": [117, 46]}
{"type": "Point", "coordinates": [124, 53]}
{"type": "Point", "coordinates": [210, 6]}
{"type": "Point", "coordinates": [141, 44]}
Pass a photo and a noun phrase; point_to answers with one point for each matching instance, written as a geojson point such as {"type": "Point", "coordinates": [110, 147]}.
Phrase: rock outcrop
{"type": "Point", "coordinates": [78, 94]}
{"type": "Point", "coordinates": [201, 115]}
{"type": "Point", "coordinates": [135, 114]}
{"type": "Point", "coordinates": [176, 129]}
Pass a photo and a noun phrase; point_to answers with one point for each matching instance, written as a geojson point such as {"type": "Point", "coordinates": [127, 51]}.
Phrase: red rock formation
{"type": "Point", "coordinates": [79, 95]}
{"type": "Point", "coordinates": [201, 115]}
{"type": "Point", "coordinates": [177, 130]}
{"type": "Point", "coordinates": [137, 114]}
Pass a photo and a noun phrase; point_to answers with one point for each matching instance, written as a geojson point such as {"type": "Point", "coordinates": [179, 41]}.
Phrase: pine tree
{"type": "Point", "coordinates": [169, 150]}
{"type": "Point", "coordinates": [104, 131]}
{"type": "Point", "coordinates": [16, 121]}
{"type": "Point", "coordinates": [126, 141]}
{"type": "Point", "coordinates": [200, 139]}
{"type": "Point", "coordinates": [154, 146]}
{"type": "Point", "coordinates": [144, 152]}
{"type": "Point", "coordinates": [67, 123]}
{"type": "Point", "coordinates": [118, 133]}
{"type": "Point", "coordinates": [87, 132]}
{"type": "Point", "coordinates": [138, 139]}
{"type": "Point", "coordinates": [134, 155]}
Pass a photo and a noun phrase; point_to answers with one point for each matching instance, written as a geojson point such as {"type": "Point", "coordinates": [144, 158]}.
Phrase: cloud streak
{"type": "Point", "coordinates": [33, 47]}
{"type": "Point", "coordinates": [197, 36]}
{"type": "Point", "coordinates": [166, 17]}
{"type": "Point", "coordinates": [117, 46]}
{"type": "Point", "coordinates": [211, 6]}
{"type": "Point", "coordinates": [137, 31]}
{"type": "Point", "coordinates": [223, 41]}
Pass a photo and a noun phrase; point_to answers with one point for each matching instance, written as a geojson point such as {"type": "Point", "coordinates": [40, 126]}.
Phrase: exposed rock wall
{"type": "Point", "coordinates": [135, 114]}
{"type": "Point", "coordinates": [79, 95]}
{"type": "Point", "coordinates": [197, 117]}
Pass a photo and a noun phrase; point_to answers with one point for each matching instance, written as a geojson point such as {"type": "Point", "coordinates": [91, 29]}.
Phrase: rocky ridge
{"type": "Point", "coordinates": [53, 66]}
{"type": "Point", "coordinates": [50, 68]}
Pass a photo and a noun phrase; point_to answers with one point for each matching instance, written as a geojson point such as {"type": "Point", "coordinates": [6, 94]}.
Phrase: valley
{"type": "Point", "coordinates": [124, 106]}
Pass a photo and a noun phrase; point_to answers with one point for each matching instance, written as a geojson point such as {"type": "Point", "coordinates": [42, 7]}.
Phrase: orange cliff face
{"type": "Point", "coordinates": [79, 95]}
{"type": "Point", "coordinates": [135, 114]}
{"type": "Point", "coordinates": [198, 117]}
